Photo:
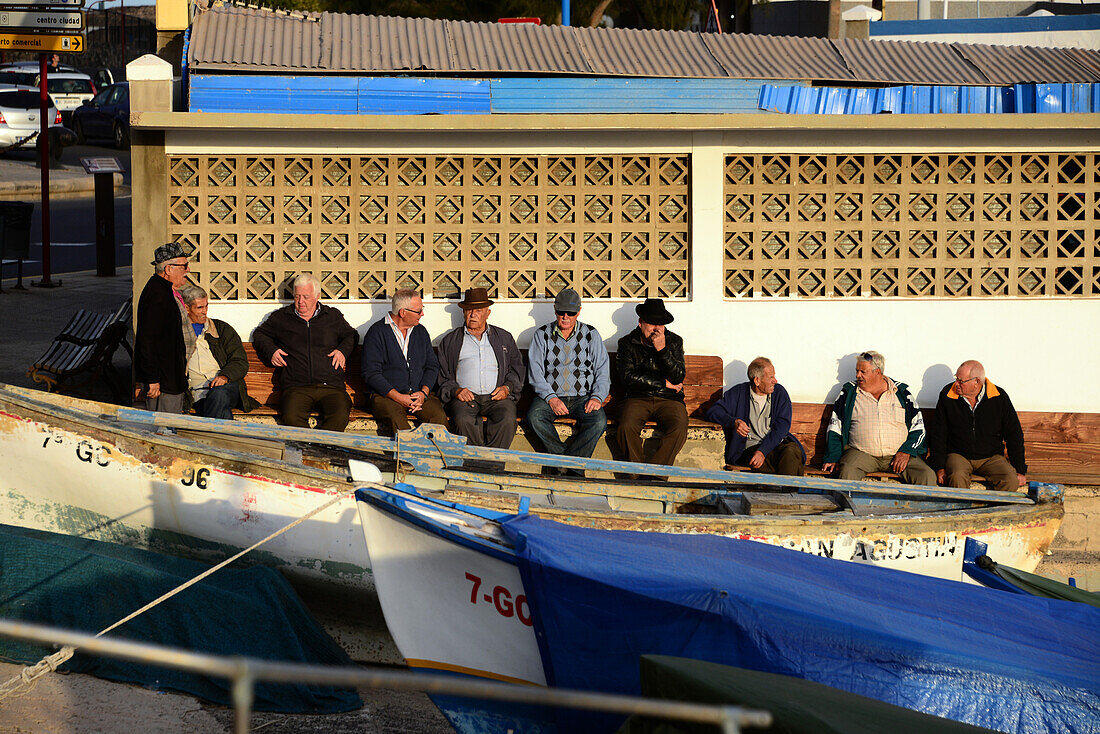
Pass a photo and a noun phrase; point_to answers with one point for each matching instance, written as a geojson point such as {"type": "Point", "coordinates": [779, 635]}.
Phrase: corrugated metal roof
{"type": "Point", "coordinates": [1003, 64]}
{"type": "Point", "coordinates": [261, 38]}
{"type": "Point", "coordinates": [778, 57]}
{"type": "Point", "coordinates": [229, 38]}
{"type": "Point", "coordinates": [908, 62]}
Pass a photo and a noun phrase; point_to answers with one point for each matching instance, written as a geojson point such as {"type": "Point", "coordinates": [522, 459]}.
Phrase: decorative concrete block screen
{"type": "Point", "coordinates": [936, 225]}
{"type": "Point", "coordinates": [612, 226]}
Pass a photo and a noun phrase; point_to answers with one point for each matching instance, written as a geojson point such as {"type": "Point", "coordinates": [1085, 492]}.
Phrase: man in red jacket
{"type": "Point", "coordinates": [974, 423]}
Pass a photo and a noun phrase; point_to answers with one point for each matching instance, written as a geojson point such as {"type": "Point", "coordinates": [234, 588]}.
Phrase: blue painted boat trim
{"type": "Point", "coordinates": [1027, 24]}
{"type": "Point", "coordinates": [399, 507]}
{"type": "Point", "coordinates": [923, 99]}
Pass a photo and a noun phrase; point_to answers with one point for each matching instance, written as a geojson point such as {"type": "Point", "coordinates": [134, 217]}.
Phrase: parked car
{"type": "Point", "coordinates": [105, 116]}
{"type": "Point", "coordinates": [68, 87]}
{"type": "Point", "coordinates": [19, 120]}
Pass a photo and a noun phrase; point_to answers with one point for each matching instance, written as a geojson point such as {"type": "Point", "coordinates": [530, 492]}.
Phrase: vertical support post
{"type": "Point", "coordinates": [565, 12]}
{"type": "Point", "coordinates": [105, 225]}
{"type": "Point", "coordinates": [122, 18]}
{"type": "Point", "coordinates": [44, 162]}
{"type": "Point", "coordinates": [242, 699]}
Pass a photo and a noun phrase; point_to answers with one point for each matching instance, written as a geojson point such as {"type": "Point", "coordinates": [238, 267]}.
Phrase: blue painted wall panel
{"type": "Point", "coordinates": [604, 95]}
{"type": "Point", "coordinates": [337, 95]}
{"type": "Point", "coordinates": [413, 96]}
{"type": "Point", "coordinates": [919, 99]}
{"type": "Point", "coordinates": [1013, 24]}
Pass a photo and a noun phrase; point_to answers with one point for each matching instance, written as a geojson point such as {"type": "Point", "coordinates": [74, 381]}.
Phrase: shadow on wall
{"type": "Point", "coordinates": [735, 373]}
{"type": "Point", "coordinates": [935, 377]}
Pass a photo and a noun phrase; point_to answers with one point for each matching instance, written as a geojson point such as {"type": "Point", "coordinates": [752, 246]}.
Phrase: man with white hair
{"type": "Point", "coordinates": [309, 343]}
{"type": "Point", "coordinates": [400, 366]}
{"type": "Point", "coordinates": [876, 427]}
{"type": "Point", "coordinates": [757, 417]}
{"type": "Point", "coordinates": [974, 423]}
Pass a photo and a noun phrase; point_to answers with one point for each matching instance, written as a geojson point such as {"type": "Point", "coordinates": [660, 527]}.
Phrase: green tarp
{"type": "Point", "coordinates": [797, 706]}
{"type": "Point", "coordinates": [86, 585]}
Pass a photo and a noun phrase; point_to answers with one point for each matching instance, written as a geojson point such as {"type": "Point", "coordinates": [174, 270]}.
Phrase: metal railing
{"type": "Point", "coordinates": [244, 672]}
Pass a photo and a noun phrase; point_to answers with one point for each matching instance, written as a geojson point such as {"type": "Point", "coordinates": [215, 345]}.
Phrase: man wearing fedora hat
{"type": "Point", "coordinates": [480, 375]}
{"type": "Point", "coordinates": [651, 368]}
{"type": "Point", "coordinates": [163, 333]}
{"type": "Point", "coordinates": [400, 367]}
{"type": "Point", "coordinates": [570, 372]}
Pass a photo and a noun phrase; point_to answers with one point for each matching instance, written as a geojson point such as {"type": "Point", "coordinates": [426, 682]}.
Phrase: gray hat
{"type": "Point", "coordinates": [568, 300]}
{"type": "Point", "coordinates": [167, 252]}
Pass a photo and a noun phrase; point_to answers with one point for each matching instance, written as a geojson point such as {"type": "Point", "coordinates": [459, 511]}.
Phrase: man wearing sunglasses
{"type": "Point", "coordinates": [875, 426]}
{"type": "Point", "coordinates": [400, 367]}
{"type": "Point", "coordinates": [570, 372]}
{"type": "Point", "coordinates": [160, 342]}
{"type": "Point", "coordinates": [974, 423]}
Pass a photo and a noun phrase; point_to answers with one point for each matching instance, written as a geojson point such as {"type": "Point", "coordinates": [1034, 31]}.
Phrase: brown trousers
{"type": "Point", "coordinates": [1000, 473]}
{"type": "Point", "coordinates": [672, 421]}
{"type": "Point", "coordinates": [393, 417]}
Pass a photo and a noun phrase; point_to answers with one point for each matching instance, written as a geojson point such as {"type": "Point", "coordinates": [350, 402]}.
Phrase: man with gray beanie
{"type": "Point", "coordinates": [569, 369]}
{"type": "Point", "coordinates": [163, 330]}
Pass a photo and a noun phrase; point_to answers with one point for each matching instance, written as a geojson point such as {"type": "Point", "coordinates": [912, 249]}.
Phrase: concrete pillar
{"type": "Point", "coordinates": [173, 17]}
{"type": "Point", "coordinates": [150, 80]}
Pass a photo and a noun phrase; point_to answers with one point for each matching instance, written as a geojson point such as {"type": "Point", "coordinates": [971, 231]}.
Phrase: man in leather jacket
{"type": "Point", "coordinates": [310, 343]}
{"type": "Point", "coordinates": [651, 370]}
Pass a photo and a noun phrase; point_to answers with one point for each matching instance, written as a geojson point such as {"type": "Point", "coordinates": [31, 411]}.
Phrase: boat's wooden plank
{"type": "Point", "coordinates": [258, 446]}
{"type": "Point", "coordinates": [784, 503]}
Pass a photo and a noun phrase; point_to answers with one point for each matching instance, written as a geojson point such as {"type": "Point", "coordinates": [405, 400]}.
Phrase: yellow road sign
{"type": "Point", "coordinates": [41, 42]}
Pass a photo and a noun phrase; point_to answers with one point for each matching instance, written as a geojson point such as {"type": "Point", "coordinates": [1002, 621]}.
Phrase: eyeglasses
{"type": "Point", "coordinates": [185, 266]}
{"type": "Point", "coordinates": [866, 357]}
{"type": "Point", "coordinates": [413, 310]}
{"type": "Point", "coordinates": [963, 382]}
{"type": "Point", "coordinates": [565, 313]}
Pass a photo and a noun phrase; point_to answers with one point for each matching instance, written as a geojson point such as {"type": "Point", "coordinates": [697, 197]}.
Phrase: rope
{"type": "Point", "coordinates": [439, 449]}
{"type": "Point", "coordinates": [27, 678]}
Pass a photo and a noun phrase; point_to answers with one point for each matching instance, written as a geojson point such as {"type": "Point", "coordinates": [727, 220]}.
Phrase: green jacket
{"type": "Point", "coordinates": [227, 349]}
{"type": "Point", "coordinates": [840, 423]}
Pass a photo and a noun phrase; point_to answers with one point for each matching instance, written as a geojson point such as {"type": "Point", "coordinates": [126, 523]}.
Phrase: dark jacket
{"type": "Point", "coordinates": [307, 345]}
{"type": "Point", "coordinates": [840, 423]}
{"type": "Point", "coordinates": [228, 351]}
{"type": "Point", "coordinates": [735, 404]}
{"type": "Point", "coordinates": [510, 367]}
{"type": "Point", "coordinates": [976, 434]}
{"type": "Point", "coordinates": [643, 370]}
{"type": "Point", "coordinates": [385, 367]}
{"type": "Point", "coordinates": [159, 353]}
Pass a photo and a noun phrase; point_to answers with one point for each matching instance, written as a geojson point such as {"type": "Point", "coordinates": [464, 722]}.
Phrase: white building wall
{"type": "Point", "coordinates": [1044, 351]}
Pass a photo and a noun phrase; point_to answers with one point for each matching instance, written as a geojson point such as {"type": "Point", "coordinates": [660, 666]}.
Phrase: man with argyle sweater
{"type": "Point", "coordinates": [876, 427]}
{"type": "Point", "coordinates": [569, 369]}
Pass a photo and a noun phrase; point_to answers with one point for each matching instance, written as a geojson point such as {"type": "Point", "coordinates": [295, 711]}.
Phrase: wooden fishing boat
{"type": "Point", "coordinates": [208, 488]}
{"type": "Point", "coordinates": [518, 598]}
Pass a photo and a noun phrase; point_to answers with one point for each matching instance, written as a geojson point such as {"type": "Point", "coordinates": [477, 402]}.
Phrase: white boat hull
{"type": "Point", "coordinates": [162, 495]}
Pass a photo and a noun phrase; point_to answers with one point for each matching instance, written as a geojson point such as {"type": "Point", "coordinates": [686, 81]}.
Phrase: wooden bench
{"type": "Point", "coordinates": [1060, 447]}
{"type": "Point", "coordinates": [82, 351]}
{"type": "Point", "coordinates": [702, 386]}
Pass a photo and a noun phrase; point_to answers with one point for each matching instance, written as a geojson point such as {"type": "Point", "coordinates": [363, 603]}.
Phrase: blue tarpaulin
{"type": "Point", "coordinates": [601, 599]}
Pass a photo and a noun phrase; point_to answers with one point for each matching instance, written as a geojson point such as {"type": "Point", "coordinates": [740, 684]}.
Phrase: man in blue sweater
{"type": "Point", "coordinates": [570, 372]}
{"type": "Point", "coordinates": [757, 418]}
{"type": "Point", "coordinates": [400, 368]}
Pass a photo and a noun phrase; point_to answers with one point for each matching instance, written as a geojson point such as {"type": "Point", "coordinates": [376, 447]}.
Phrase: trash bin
{"type": "Point", "coordinates": [15, 230]}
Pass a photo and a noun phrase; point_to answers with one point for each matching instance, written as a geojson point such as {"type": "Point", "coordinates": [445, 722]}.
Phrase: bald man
{"type": "Point", "coordinates": [974, 424]}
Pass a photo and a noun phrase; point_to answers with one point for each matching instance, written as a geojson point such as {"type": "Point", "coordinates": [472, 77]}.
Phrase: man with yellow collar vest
{"type": "Point", "coordinates": [974, 424]}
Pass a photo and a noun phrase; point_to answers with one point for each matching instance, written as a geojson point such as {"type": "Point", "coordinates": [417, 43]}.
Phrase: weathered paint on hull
{"type": "Point", "coordinates": [168, 494]}
{"type": "Point", "coordinates": [932, 544]}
